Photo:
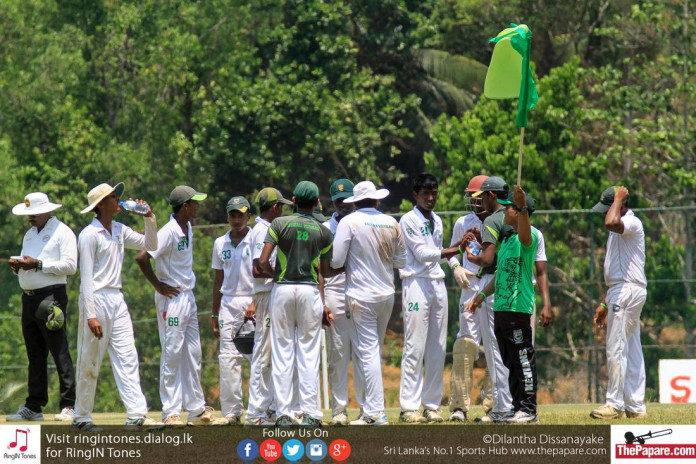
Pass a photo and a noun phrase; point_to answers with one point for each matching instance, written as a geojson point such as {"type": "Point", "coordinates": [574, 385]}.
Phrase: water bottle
{"type": "Point", "coordinates": [474, 247]}
{"type": "Point", "coordinates": [133, 207]}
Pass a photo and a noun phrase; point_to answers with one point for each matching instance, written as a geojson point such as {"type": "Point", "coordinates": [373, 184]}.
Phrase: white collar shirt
{"type": "Point", "coordinates": [423, 244]}
{"type": "Point", "coordinates": [370, 246]}
{"type": "Point", "coordinates": [174, 256]}
{"type": "Point", "coordinates": [101, 256]}
{"type": "Point", "coordinates": [56, 246]}
{"type": "Point", "coordinates": [463, 224]}
{"type": "Point", "coordinates": [235, 263]}
{"type": "Point", "coordinates": [625, 259]}
{"type": "Point", "coordinates": [258, 234]}
{"type": "Point", "coordinates": [335, 285]}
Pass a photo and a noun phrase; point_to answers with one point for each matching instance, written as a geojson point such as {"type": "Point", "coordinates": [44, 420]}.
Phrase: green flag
{"type": "Point", "coordinates": [509, 74]}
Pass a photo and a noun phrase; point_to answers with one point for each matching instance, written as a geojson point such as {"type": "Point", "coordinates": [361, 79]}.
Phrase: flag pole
{"type": "Point", "coordinates": [519, 158]}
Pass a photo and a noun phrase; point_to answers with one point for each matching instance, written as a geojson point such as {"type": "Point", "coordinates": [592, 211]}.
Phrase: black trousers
{"type": "Point", "coordinates": [514, 334]}
{"type": "Point", "coordinates": [39, 341]}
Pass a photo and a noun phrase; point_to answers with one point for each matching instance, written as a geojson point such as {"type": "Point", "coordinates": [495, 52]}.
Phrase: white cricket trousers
{"type": "Point", "coordinates": [342, 342]}
{"type": "Point", "coordinates": [502, 399]}
{"type": "Point", "coordinates": [625, 364]}
{"type": "Point", "coordinates": [230, 319]}
{"type": "Point", "coordinates": [112, 313]}
{"type": "Point", "coordinates": [371, 321]}
{"type": "Point", "coordinates": [180, 364]}
{"type": "Point", "coordinates": [260, 381]}
{"type": "Point", "coordinates": [296, 313]}
{"type": "Point", "coordinates": [424, 306]}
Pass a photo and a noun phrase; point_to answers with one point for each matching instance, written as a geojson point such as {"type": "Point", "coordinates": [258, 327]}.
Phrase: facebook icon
{"type": "Point", "coordinates": [248, 450]}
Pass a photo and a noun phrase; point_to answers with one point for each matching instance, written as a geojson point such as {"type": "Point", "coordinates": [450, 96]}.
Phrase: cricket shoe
{"type": "Point", "coordinates": [458, 416]}
{"type": "Point", "coordinates": [636, 415]}
{"type": "Point", "coordinates": [143, 421]}
{"type": "Point", "coordinates": [86, 427]}
{"type": "Point", "coordinates": [432, 415]}
{"type": "Point", "coordinates": [607, 412]}
{"type": "Point", "coordinates": [368, 420]}
{"type": "Point", "coordinates": [339, 419]}
{"type": "Point", "coordinates": [203, 419]}
{"type": "Point", "coordinates": [229, 419]}
{"type": "Point", "coordinates": [493, 417]}
{"type": "Point", "coordinates": [259, 422]}
{"type": "Point", "coordinates": [65, 415]}
{"type": "Point", "coordinates": [309, 421]}
{"type": "Point", "coordinates": [523, 417]}
{"type": "Point", "coordinates": [25, 414]}
{"type": "Point", "coordinates": [411, 417]}
{"type": "Point", "coordinates": [174, 421]}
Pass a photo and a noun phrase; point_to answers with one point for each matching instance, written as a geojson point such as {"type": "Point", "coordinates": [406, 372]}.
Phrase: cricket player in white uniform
{"type": "Point", "coordinates": [260, 409]}
{"type": "Point", "coordinates": [341, 334]}
{"type": "Point", "coordinates": [105, 323]}
{"type": "Point", "coordinates": [494, 228]}
{"type": "Point", "coordinates": [233, 288]}
{"type": "Point", "coordinates": [466, 347]}
{"type": "Point", "coordinates": [370, 246]}
{"type": "Point", "coordinates": [177, 313]}
{"type": "Point", "coordinates": [624, 274]}
{"type": "Point", "coordinates": [424, 305]}
{"type": "Point", "coordinates": [304, 250]}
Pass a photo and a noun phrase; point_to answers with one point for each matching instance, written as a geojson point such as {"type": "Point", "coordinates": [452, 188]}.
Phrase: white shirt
{"type": "Point", "coordinates": [463, 224]}
{"type": "Point", "coordinates": [56, 247]}
{"type": "Point", "coordinates": [235, 263]}
{"type": "Point", "coordinates": [335, 285]}
{"type": "Point", "coordinates": [541, 250]}
{"type": "Point", "coordinates": [258, 234]}
{"type": "Point", "coordinates": [370, 245]}
{"type": "Point", "coordinates": [423, 245]}
{"type": "Point", "coordinates": [174, 256]}
{"type": "Point", "coordinates": [101, 256]}
{"type": "Point", "coordinates": [625, 259]}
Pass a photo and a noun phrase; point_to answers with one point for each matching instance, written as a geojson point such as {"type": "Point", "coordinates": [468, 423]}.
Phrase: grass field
{"type": "Point", "coordinates": [556, 414]}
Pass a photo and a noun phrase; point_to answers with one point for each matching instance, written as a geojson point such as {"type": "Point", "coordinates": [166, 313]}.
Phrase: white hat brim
{"type": "Point", "coordinates": [22, 209]}
{"type": "Point", "coordinates": [376, 195]}
{"type": "Point", "coordinates": [120, 187]}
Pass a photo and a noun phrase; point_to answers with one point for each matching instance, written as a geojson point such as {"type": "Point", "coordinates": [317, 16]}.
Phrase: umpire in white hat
{"type": "Point", "coordinates": [48, 256]}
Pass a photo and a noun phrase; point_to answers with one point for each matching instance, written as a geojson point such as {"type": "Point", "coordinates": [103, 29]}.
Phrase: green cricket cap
{"type": "Point", "coordinates": [269, 196]}
{"type": "Point", "coordinates": [606, 200]}
{"type": "Point", "coordinates": [238, 203]}
{"type": "Point", "coordinates": [531, 202]}
{"type": "Point", "coordinates": [341, 188]}
{"type": "Point", "coordinates": [183, 193]}
{"type": "Point", "coordinates": [306, 191]}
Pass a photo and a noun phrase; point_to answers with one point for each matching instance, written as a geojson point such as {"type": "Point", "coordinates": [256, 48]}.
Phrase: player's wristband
{"type": "Point", "coordinates": [460, 250]}
{"type": "Point", "coordinates": [456, 265]}
{"type": "Point", "coordinates": [603, 305]}
{"type": "Point", "coordinates": [483, 294]}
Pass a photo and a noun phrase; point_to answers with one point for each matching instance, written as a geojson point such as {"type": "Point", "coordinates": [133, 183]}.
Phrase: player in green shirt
{"type": "Point", "coordinates": [514, 305]}
{"type": "Point", "coordinates": [304, 248]}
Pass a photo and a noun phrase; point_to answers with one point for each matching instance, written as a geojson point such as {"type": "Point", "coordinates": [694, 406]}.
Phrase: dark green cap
{"type": "Point", "coordinates": [306, 191]}
{"type": "Point", "coordinates": [531, 202]}
{"type": "Point", "coordinates": [183, 193]}
{"type": "Point", "coordinates": [269, 196]}
{"type": "Point", "coordinates": [238, 204]}
{"type": "Point", "coordinates": [341, 188]}
{"type": "Point", "coordinates": [606, 200]}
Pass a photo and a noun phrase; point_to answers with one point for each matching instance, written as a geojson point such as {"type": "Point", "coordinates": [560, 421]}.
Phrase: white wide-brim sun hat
{"type": "Point", "coordinates": [366, 190]}
{"type": "Point", "coordinates": [100, 192]}
{"type": "Point", "coordinates": [35, 203]}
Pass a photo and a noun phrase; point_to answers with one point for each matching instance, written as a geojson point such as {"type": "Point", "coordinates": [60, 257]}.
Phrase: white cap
{"type": "Point", "coordinates": [366, 190]}
{"type": "Point", "coordinates": [35, 203]}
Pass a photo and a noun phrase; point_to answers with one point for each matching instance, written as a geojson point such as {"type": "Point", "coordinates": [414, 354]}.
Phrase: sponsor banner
{"type": "Point", "coordinates": [677, 380]}
{"type": "Point", "coordinates": [650, 444]}
{"type": "Point", "coordinates": [20, 443]}
{"type": "Point", "coordinates": [430, 444]}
